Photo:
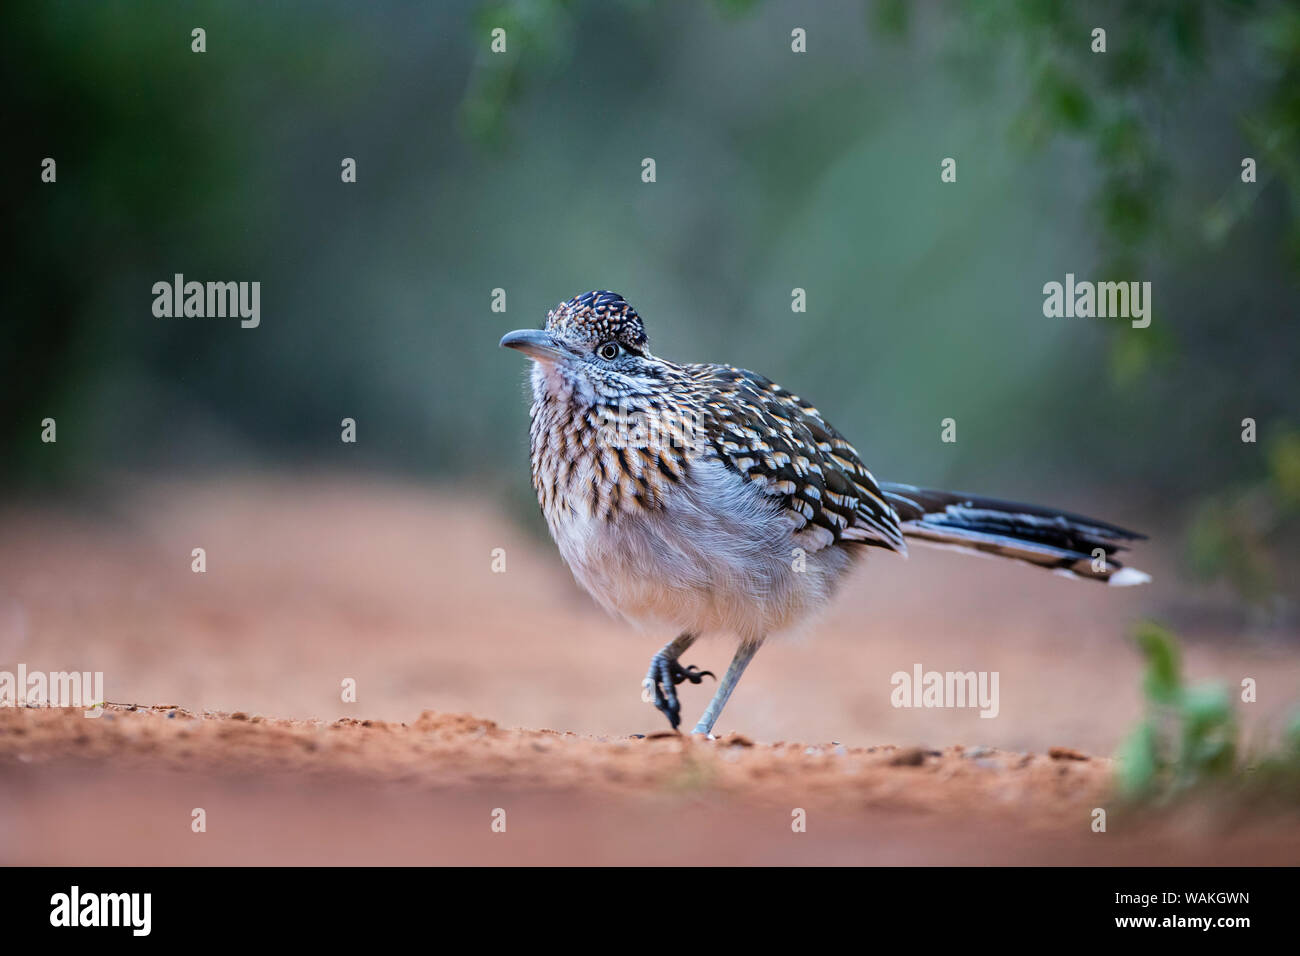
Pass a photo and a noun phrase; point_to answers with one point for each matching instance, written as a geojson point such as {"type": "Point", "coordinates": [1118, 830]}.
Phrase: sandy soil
{"type": "Point", "coordinates": [309, 583]}
{"type": "Point", "coordinates": [123, 788]}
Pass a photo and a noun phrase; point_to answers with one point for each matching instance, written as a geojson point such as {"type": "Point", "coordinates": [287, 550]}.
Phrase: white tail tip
{"type": "Point", "coordinates": [1127, 578]}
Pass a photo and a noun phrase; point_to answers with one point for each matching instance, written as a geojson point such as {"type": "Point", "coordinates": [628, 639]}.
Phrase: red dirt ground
{"type": "Point", "coordinates": [312, 582]}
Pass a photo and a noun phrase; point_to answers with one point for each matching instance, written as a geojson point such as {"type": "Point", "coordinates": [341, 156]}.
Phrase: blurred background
{"type": "Point", "coordinates": [522, 171]}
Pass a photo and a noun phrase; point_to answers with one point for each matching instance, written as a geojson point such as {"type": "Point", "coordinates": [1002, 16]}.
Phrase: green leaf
{"type": "Point", "coordinates": [1137, 761]}
{"type": "Point", "coordinates": [1163, 679]}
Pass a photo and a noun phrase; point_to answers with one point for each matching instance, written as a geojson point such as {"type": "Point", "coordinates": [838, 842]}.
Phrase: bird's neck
{"type": "Point", "coordinates": [602, 456]}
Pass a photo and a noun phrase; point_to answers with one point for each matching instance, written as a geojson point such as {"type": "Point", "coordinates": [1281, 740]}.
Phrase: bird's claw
{"type": "Point", "coordinates": [659, 686]}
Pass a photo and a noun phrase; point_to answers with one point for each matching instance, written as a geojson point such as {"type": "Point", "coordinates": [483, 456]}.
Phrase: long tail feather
{"type": "Point", "coordinates": [1063, 542]}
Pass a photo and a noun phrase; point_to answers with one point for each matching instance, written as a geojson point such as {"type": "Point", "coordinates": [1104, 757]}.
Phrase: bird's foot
{"type": "Point", "coordinates": [659, 686]}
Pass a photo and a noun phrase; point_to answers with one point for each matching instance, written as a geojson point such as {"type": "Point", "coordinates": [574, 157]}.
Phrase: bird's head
{"type": "Point", "coordinates": [594, 346]}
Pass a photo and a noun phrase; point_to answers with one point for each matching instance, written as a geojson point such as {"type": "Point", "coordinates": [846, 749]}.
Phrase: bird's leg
{"type": "Point", "coordinates": [659, 686]}
{"type": "Point", "coordinates": [744, 654]}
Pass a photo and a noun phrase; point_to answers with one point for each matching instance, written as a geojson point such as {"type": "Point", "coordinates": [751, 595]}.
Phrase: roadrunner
{"type": "Point", "coordinates": [711, 500]}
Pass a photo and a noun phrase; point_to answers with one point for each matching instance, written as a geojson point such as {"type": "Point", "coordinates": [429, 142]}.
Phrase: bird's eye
{"type": "Point", "coordinates": [609, 351]}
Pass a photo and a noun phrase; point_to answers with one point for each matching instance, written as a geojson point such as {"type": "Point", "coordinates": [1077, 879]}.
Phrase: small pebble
{"type": "Point", "coordinates": [908, 757]}
{"type": "Point", "coordinates": [1066, 753]}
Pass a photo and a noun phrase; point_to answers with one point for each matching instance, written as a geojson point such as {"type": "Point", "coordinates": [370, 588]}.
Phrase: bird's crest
{"type": "Point", "coordinates": [598, 316]}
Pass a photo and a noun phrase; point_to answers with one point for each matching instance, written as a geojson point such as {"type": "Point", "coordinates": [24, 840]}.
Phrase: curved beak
{"type": "Point", "coordinates": [535, 343]}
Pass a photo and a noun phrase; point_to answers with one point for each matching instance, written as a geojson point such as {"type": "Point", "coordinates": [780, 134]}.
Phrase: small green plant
{"type": "Point", "coordinates": [1188, 736]}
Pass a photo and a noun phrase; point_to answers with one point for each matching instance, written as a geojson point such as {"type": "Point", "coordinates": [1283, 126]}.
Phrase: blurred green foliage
{"type": "Point", "coordinates": [1188, 734]}
{"type": "Point", "coordinates": [521, 170]}
{"type": "Point", "coordinates": [1243, 533]}
{"type": "Point", "coordinates": [1188, 737]}
{"type": "Point", "coordinates": [1121, 105]}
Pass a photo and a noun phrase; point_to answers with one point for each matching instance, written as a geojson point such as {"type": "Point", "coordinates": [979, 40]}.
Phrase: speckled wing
{"type": "Point", "coordinates": [771, 436]}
